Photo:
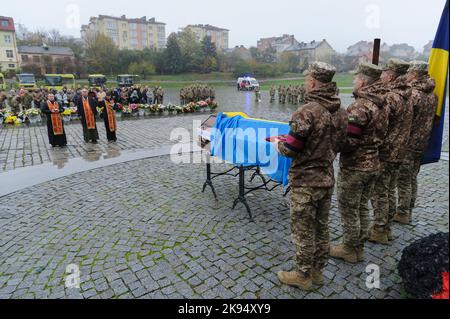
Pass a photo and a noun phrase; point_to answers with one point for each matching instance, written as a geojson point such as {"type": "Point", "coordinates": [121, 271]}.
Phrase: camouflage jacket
{"type": "Point", "coordinates": [424, 103]}
{"type": "Point", "coordinates": [360, 150]}
{"type": "Point", "coordinates": [318, 131]}
{"type": "Point", "coordinates": [398, 112]}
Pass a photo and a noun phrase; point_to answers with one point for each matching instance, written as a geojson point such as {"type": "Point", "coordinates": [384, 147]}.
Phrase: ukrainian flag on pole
{"type": "Point", "coordinates": [438, 69]}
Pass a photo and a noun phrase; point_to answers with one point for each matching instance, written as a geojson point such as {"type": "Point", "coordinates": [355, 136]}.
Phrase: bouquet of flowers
{"type": "Point", "coordinates": [67, 112]}
{"type": "Point", "coordinates": [126, 110]}
{"type": "Point", "coordinates": [170, 108]}
{"type": "Point", "coordinates": [134, 108]}
{"type": "Point", "coordinates": [202, 104]}
{"type": "Point", "coordinates": [119, 107]}
{"type": "Point", "coordinates": [73, 112]}
{"type": "Point", "coordinates": [190, 108]}
{"type": "Point", "coordinates": [12, 119]}
{"type": "Point", "coordinates": [179, 109]}
{"type": "Point", "coordinates": [161, 108]}
{"type": "Point", "coordinates": [213, 105]}
{"type": "Point", "coordinates": [33, 112]}
{"type": "Point", "coordinates": [153, 108]}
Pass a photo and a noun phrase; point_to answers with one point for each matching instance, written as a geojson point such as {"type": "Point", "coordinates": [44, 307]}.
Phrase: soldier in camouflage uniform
{"type": "Point", "coordinates": [257, 94]}
{"type": "Point", "coordinates": [318, 130]}
{"type": "Point", "coordinates": [424, 103]}
{"type": "Point", "coordinates": [280, 93]}
{"type": "Point", "coordinates": [182, 96]}
{"type": "Point", "coordinates": [289, 94]}
{"type": "Point", "coordinates": [3, 99]}
{"type": "Point", "coordinates": [302, 94]}
{"type": "Point", "coordinates": [295, 95]}
{"type": "Point", "coordinates": [399, 115]}
{"type": "Point", "coordinates": [212, 94]}
{"type": "Point", "coordinates": [283, 94]}
{"type": "Point", "coordinates": [272, 94]}
{"type": "Point", "coordinates": [359, 163]}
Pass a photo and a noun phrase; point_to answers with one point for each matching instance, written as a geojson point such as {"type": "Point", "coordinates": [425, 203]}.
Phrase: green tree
{"type": "Point", "coordinates": [289, 62]}
{"type": "Point", "coordinates": [172, 57]}
{"type": "Point", "coordinates": [143, 69]}
{"type": "Point", "coordinates": [242, 67]}
{"type": "Point", "coordinates": [209, 55]}
{"type": "Point", "coordinates": [101, 54]}
{"type": "Point", "coordinates": [191, 51]}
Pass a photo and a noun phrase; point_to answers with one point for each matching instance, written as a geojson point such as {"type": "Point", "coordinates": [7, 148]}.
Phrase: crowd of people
{"type": "Point", "coordinates": [196, 93]}
{"type": "Point", "coordinates": [17, 100]}
{"type": "Point", "coordinates": [88, 102]}
{"type": "Point", "coordinates": [381, 138]}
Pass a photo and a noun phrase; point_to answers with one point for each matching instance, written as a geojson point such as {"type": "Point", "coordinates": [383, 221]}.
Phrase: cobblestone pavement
{"type": "Point", "coordinates": [143, 229]}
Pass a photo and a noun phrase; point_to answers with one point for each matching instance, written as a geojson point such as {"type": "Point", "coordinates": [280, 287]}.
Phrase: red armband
{"type": "Point", "coordinates": [354, 130]}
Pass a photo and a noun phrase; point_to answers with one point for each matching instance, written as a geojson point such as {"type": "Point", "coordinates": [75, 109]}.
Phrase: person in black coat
{"type": "Point", "coordinates": [56, 134]}
{"type": "Point", "coordinates": [107, 104]}
{"type": "Point", "coordinates": [90, 132]}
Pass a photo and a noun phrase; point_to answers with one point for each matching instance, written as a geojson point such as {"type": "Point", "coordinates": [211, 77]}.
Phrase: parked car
{"type": "Point", "coordinates": [247, 84]}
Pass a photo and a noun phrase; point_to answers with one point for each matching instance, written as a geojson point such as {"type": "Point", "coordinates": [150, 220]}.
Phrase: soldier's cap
{"type": "Point", "coordinates": [418, 66]}
{"type": "Point", "coordinates": [321, 71]}
{"type": "Point", "coordinates": [368, 69]}
{"type": "Point", "coordinates": [399, 66]}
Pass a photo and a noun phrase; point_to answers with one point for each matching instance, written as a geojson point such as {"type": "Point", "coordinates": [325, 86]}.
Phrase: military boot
{"type": "Point", "coordinates": [402, 218]}
{"type": "Point", "coordinates": [342, 251]}
{"type": "Point", "coordinates": [295, 279]}
{"type": "Point", "coordinates": [389, 233]}
{"type": "Point", "coordinates": [360, 253]}
{"type": "Point", "coordinates": [317, 277]}
{"type": "Point", "coordinates": [378, 236]}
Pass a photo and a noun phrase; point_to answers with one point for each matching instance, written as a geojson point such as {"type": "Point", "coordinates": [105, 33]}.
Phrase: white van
{"type": "Point", "coordinates": [247, 84]}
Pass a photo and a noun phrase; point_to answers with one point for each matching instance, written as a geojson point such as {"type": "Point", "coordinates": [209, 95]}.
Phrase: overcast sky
{"type": "Point", "coordinates": [342, 23]}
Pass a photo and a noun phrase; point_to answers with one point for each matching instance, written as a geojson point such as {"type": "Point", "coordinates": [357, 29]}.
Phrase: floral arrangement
{"type": "Point", "coordinates": [33, 112]}
{"type": "Point", "coordinates": [190, 108]}
{"type": "Point", "coordinates": [170, 108]}
{"type": "Point", "coordinates": [119, 107]}
{"type": "Point", "coordinates": [133, 107]}
{"type": "Point", "coordinates": [67, 112]}
{"type": "Point", "coordinates": [126, 110]}
{"type": "Point", "coordinates": [212, 105]}
{"type": "Point", "coordinates": [12, 119]}
{"type": "Point", "coordinates": [202, 104]}
{"type": "Point", "coordinates": [73, 110]}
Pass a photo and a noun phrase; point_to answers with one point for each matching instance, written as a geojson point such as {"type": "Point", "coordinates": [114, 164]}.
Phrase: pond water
{"type": "Point", "coordinates": [230, 100]}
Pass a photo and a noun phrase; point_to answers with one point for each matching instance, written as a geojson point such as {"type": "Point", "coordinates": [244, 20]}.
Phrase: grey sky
{"type": "Point", "coordinates": [342, 23]}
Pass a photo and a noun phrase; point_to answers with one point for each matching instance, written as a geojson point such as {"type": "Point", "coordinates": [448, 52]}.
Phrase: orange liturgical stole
{"type": "Point", "coordinates": [56, 118]}
{"type": "Point", "coordinates": [88, 114]}
{"type": "Point", "coordinates": [111, 117]}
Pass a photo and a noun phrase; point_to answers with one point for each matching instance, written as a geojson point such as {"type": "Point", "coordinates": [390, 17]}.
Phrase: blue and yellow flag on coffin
{"type": "Point", "coordinates": [438, 69]}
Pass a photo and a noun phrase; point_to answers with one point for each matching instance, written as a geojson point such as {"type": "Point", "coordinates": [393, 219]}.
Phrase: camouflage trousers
{"type": "Point", "coordinates": [384, 197]}
{"type": "Point", "coordinates": [354, 190]}
{"type": "Point", "coordinates": [310, 208]}
{"type": "Point", "coordinates": [407, 186]}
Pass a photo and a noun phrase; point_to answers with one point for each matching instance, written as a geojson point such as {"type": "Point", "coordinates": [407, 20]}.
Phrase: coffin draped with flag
{"type": "Point", "coordinates": [240, 140]}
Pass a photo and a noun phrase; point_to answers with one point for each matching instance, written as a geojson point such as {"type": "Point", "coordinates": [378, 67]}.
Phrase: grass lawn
{"type": "Point", "coordinates": [218, 80]}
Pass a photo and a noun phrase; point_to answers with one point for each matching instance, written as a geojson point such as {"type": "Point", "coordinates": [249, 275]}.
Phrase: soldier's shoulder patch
{"type": "Point", "coordinates": [293, 125]}
{"type": "Point", "coordinates": [353, 119]}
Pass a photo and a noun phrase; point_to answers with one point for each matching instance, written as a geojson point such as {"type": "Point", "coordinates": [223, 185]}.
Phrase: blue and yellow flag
{"type": "Point", "coordinates": [438, 69]}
